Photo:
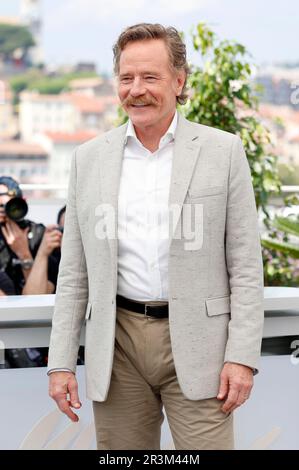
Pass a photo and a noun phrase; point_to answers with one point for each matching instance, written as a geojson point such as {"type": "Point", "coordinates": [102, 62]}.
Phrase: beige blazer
{"type": "Point", "coordinates": [215, 284]}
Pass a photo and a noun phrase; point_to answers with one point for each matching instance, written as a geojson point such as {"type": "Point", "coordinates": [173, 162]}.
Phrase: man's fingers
{"type": "Point", "coordinates": [51, 227]}
{"type": "Point", "coordinates": [231, 400]}
{"type": "Point", "coordinates": [52, 241]}
{"type": "Point", "coordinates": [13, 226]}
{"type": "Point", "coordinates": [54, 245]}
{"type": "Point", "coordinates": [239, 402]}
{"type": "Point", "coordinates": [223, 389]}
{"type": "Point", "coordinates": [64, 406]}
{"type": "Point", "coordinates": [54, 237]}
{"type": "Point", "coordinates": [236, 398]}
{"type": "Point", "coordinates": [74, 397]}
{"type": "Point", "coordinates": [61, 384]}
{"type": "Point", "coordinates": [6, 230]}
{"type": "Point", "coordinates": [242, 397]}
{"type": "Point", "coordinates": [55, 232]}
{"type": "Point", "coordinates": [244, 394]}
{"type": "Point", "coordinates": [239, 381]}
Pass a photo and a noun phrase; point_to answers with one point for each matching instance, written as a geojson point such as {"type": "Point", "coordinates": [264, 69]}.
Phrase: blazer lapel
{"type": "Point", "coordinates": [186, 152]}
{"type": "Point", "coordinates": [110, 172]}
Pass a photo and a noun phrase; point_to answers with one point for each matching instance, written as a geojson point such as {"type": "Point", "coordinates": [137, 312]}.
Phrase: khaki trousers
{"type": "Point", "coordinates": [144, 380]}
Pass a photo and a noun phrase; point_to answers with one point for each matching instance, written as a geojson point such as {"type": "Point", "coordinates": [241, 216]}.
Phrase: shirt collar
{"type": "Point", "coordinates": [167, 137]}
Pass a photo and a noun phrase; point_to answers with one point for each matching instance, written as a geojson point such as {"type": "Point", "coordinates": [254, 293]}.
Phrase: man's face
{"type": "Point", "coordinates": [3, 200]}
{"type": "Point", "coordinates": [147, 86]}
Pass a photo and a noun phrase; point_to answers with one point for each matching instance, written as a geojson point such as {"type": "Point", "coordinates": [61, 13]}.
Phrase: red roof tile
{"type": "Point", "coordinates": [13, 147]}
{"type": "Point", "coordinates": [76, 137]}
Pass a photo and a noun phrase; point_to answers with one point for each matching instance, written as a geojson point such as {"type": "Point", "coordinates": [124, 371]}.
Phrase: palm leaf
{"type": "Point", "coordinates": [286, 248]}
{"type": "Point", "coordinates": [287, 225]}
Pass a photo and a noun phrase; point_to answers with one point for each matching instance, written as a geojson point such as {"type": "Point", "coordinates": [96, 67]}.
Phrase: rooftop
{"type": "Point", "coordinates": [85, 104]}
{"type": "Point", "coordinates": [72, 138]}
{"type": "Point", "coordinates": [88, 82]}
{"type": "Point", "coordinates": [13, 147]}
{"type": "Point", "coordinates": [12, 20]}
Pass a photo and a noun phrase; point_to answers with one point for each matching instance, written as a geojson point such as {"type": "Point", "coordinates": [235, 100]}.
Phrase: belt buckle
{"type": "Point", "coordinates": [145, 310]}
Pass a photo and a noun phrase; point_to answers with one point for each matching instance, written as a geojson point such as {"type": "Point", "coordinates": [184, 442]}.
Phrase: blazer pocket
{"type": "Point", "coordinates": [88, 311]}
{"type": "Point", "coordinates": [204, 192]}
{"type": "Point", "coordinates": [218, 305]}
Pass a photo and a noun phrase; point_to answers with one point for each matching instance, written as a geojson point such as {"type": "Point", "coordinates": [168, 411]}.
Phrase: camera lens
{"type": "Point", "coordinates": [16, 208]}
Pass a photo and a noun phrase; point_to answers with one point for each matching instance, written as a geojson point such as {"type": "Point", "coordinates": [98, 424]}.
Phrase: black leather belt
{"type": "Point", "coordinates": [157, 311]}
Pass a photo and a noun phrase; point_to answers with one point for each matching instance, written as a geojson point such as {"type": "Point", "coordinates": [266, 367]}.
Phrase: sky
{"type": "Point", "coordinates": [85, 30]}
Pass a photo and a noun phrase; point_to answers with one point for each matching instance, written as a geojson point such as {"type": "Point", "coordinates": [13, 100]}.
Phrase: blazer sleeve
{"type": "Point", "coordinates": [244, 264]}
{"type": "Point", "coordinates": [72, 287]}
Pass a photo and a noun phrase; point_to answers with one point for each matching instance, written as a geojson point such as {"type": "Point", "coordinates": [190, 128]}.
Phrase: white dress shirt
{"type": "Point", "coordinates": [143, 217]}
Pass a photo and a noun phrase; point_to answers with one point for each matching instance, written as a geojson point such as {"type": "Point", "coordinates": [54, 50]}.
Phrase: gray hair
{"type": "Point", "coordinates": [171, 37]}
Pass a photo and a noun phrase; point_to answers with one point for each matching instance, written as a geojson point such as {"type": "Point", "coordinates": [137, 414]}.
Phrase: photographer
{"type": "Point", "coordinates": [43, 275]}
{"type": "Point", "coordinates": [19, 237]}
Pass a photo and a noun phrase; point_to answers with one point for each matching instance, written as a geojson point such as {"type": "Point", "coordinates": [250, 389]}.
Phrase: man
{"type": "Point", "coordinates": [170, 321]}
{"type": "Point", "coordinates": [19, 241]}
{"type": "Point", "coordinates": [44, 272]}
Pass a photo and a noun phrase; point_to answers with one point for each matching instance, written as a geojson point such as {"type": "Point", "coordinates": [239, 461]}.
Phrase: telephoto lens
{"type": "Point", "coordinates": [16, 209]}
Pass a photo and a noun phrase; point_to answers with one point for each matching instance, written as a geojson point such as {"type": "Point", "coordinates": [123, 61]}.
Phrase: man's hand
{"type": "Point", "coordinates": [236, 381]}
{"type": "Point", "coordinates": [61, 383]}
{"type": "Point", "coordinates": [51, 240]}
{"type": "Point", "coordinates": [17, 239]}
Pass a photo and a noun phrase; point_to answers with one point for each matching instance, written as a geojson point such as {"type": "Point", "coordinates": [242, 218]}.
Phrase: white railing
{"type": "Point", "coordinates": [25, 321]}
{"type": "Point", "coordinates": [30, 420]}
{"type": "Point", "coordinates": [290, 189]}
{"type": "Point", "coordinates": [52, 186]}
{"type": "Point", "coordinates": [43, 187]}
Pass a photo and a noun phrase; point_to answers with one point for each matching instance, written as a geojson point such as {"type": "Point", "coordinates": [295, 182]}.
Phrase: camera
{"type": "Point", "coordinates": [16, 209]}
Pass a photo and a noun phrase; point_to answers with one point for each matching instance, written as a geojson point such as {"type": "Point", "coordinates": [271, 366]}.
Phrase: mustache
{"type": "Point", "coordinates": [129, 101]}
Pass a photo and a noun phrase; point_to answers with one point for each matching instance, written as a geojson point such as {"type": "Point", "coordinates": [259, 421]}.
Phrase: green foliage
{"type": "Point", "coordinates": [286, 248]}
{"type": "Point", "coordinates": [13, 37]}
{"type": "Point", "coordinates": [122, 116]}
{"type": "Point", "coordinates": [34, 79]}
{"type": "Point", "coordinates": [289, 175]}
{"type": "Point", "coordinates": [282, 255]}
{"type": "Point", "coordinates": [223, 96]}
{"type": "Point", "coordinates": [287, 225]}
